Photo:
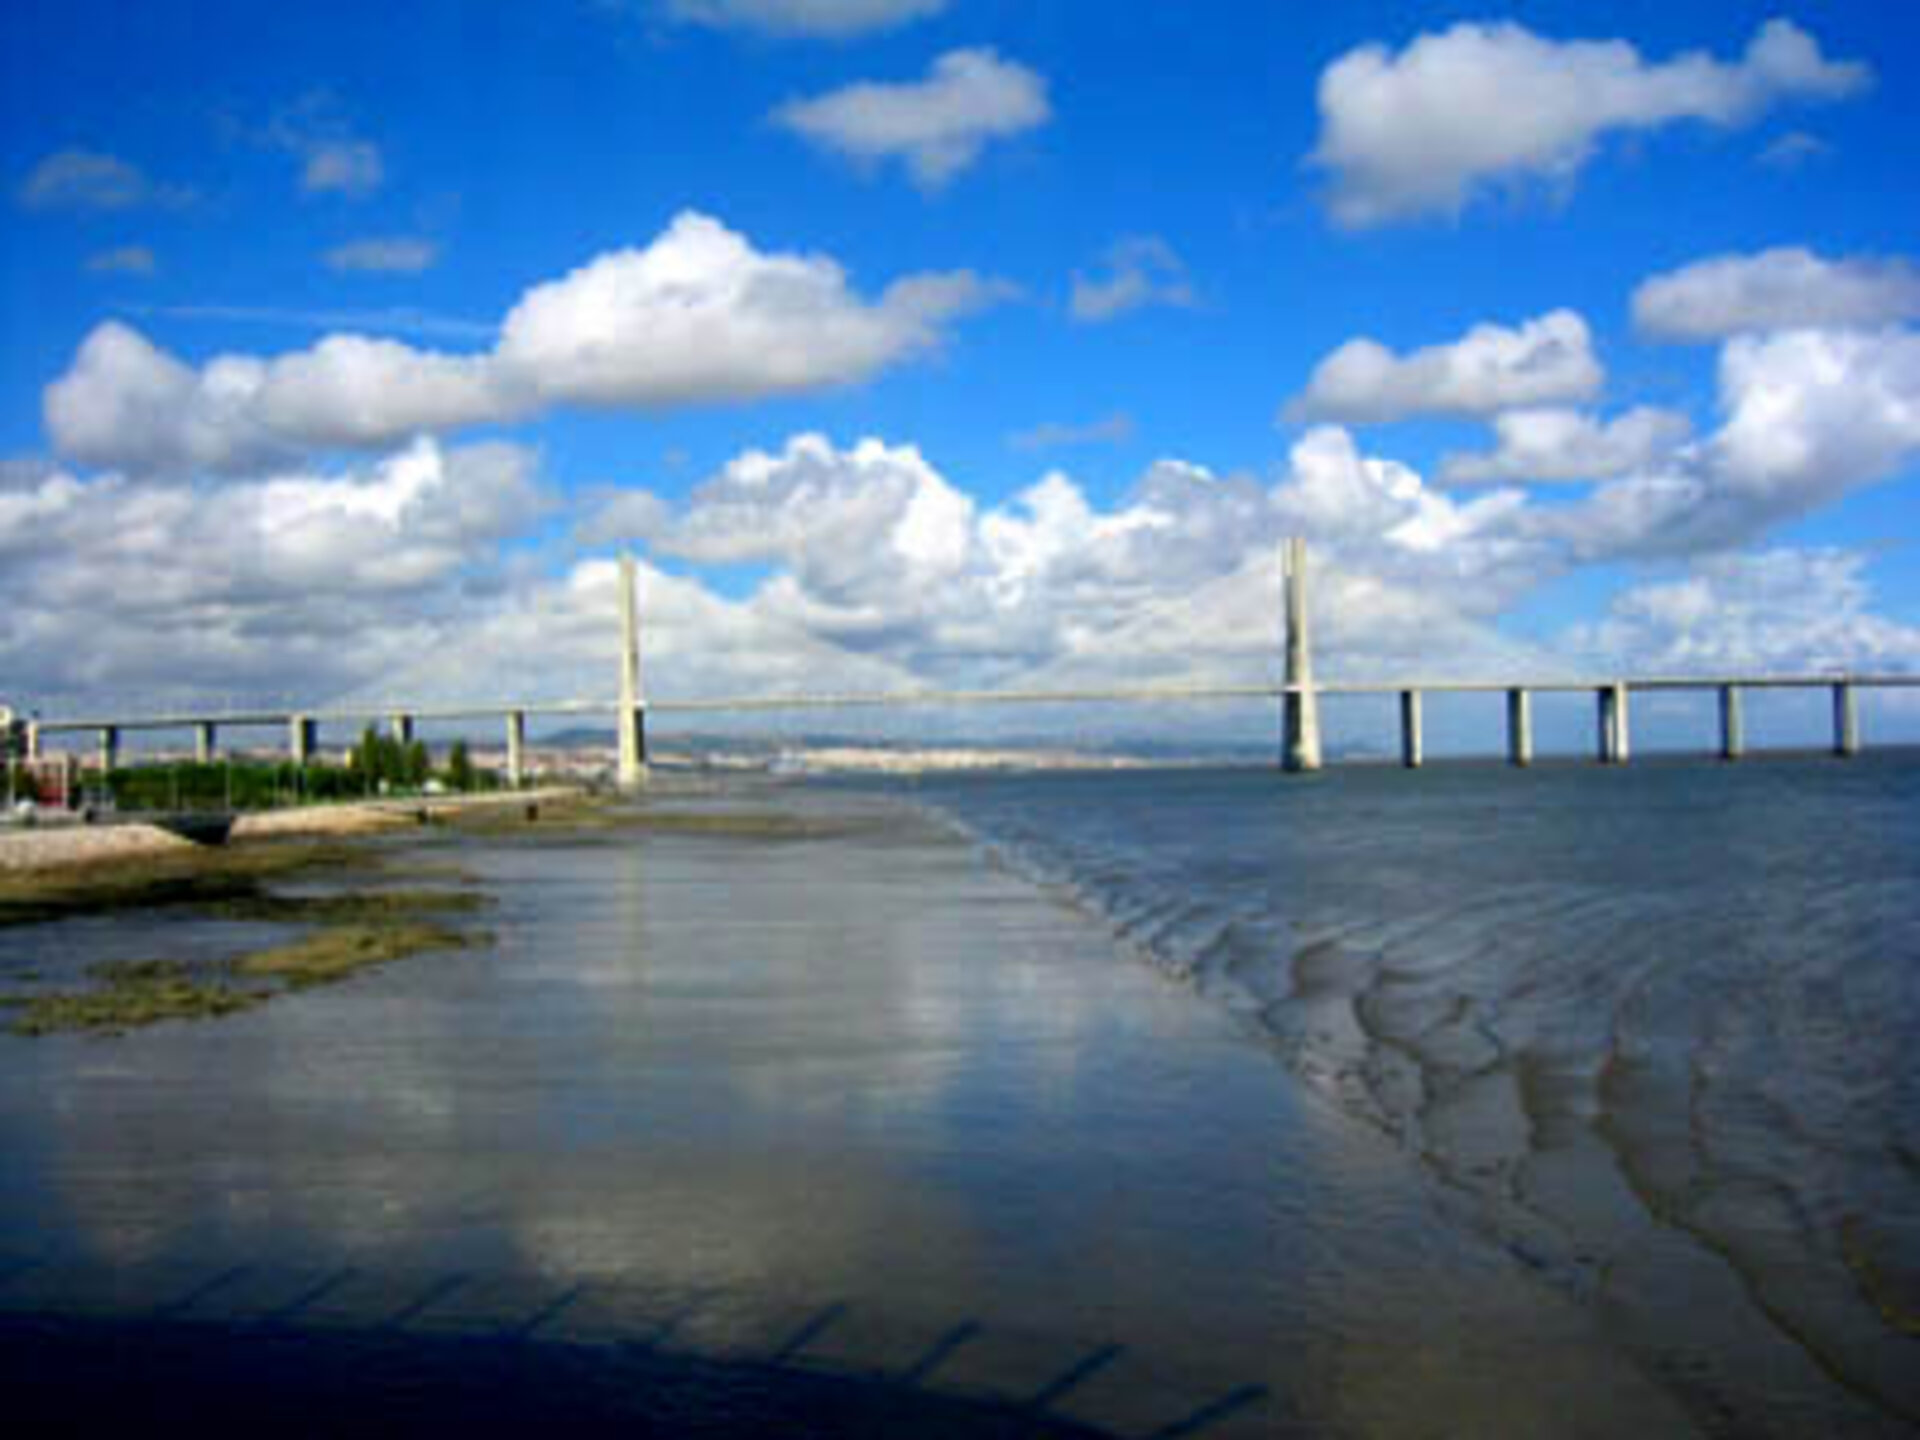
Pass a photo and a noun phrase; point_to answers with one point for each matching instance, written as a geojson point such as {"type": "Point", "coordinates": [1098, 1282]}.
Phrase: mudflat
{"type": "Point", "coordinates": [791, 1080]}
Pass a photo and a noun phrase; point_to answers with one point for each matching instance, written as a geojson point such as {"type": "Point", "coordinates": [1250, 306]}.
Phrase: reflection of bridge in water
{"type": "Point", "coordinates": [261, 1346]}
{"type": "Point", "coordinates": [1298, 696]}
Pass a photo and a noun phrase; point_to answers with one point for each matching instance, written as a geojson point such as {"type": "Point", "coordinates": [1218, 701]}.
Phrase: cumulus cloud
{"type": "Point", "coordinates": [936, 127]}
{"type": "Point", "coordinates": [90, 180]}
{"type": "Point", "coordinates": [297, 585]}
{"type": "Point", "coordinates": [871, 570]}
{"type": "Point", "coordinates": [1557, 444]}
{"type": "Point", "coordinates": [1812, 414]}
{"type": "Point", "coordinates": [1431, 128]}
{"type": "Point", "coordinates": [126, 260]}
{"type": "Point", "coordinates": [1807, 417]}
{"type": "Point", "coordinates": [1780, 289]}
{"type": "Point", "coordinates": [1780, 611]}
{"type": "Point", "coordinates": [1546, 361]}
{"type": "Point", "coordinates": [697, 317]}
{"type": "Point", "coordinates": [390, 255]}
{"type": "Point", "coordinates": [1136, 272]}
{"type": "Point", "coordinates": [833, 19]}
{"type": "Point", "coordinates": [874, 550]}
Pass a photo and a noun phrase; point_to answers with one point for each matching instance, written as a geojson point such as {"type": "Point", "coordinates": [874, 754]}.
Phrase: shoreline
{"type": "Point", "coordinates": [64, 848]}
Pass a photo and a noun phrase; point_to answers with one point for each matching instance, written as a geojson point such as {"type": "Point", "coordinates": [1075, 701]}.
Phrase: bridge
{"type": "Point", "coordinates": [1298, 696]}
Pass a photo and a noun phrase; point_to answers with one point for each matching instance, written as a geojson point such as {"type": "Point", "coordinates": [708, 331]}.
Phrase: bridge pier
{"type": "Point", "coordinates": [302, 731]}
{"type": "Point", "coordinates": [1520, 727]}
{"type": "Point", "coordinates": [33, 740]}
{"type": "Point", "coordinates": [1412, 741]}
{"type": "Point", "coordinates": [1846, 721]}
{"type": "Point", "coordinates": [1615, 745]}
{"type": "Point", "coordinates": [205, 738]}
{"type": "Point", "coordinates": [1733, 729]}
{"type": "Point", "coordinates": [1300, 752]}
{"type": "Point", "coordinates": [109, 748]}
{"type": "Point", "coordinates": [632, 717]}
{"type": "Point", "coordinates": [400, 726]}
{"type": "Point", "coordinates": [516, 749]}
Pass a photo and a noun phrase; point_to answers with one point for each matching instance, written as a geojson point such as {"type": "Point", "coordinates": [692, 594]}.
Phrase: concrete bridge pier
{"type": "Point", "coordinates": [400, 726]}
{"type": "Point", "coordinates": [1520, 727]}
{"type": "Point", "coordinates": [1733, 728]}
{"type": "Point", "coordinates": [1412, 741]}
{"type": "Point", "coordinates": [516, 749]}
{"type": "Point", "coordinates": [33, 740]}
{"type": "Point", "coordinates": [302, 732]}
{"type": "Point", "coordinates": [109, 747]}
{"type": "Point", "coordinates": [1615, 745]}
{"type": "Point", "coordinates": [1300, 752]}
{"type": "Point", "coordinates": [1846, 721]}
{"type": "Point", "coordinates": [205, 740]}
{"type": "Point", "coordinates": [632, 718]}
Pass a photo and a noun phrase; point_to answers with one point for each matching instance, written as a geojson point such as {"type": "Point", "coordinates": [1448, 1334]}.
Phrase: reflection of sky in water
{"type": "Point", "coordinates": [863, 1069]}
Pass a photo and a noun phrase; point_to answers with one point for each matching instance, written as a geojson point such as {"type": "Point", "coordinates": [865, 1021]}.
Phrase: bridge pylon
{"type": "Point", "coordinates": [1300, 750]}
{"type": "Point", "coordinates": [632, 717]}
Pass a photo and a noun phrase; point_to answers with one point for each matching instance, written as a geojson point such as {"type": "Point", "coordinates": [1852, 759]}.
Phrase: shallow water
{"type": "Point", "coordinates": [853, 1101]}
{"type": "Point", "coordinates": [1654, 1029]}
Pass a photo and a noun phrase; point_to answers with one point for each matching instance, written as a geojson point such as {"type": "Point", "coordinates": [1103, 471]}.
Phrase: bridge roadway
{"type": "Point", "coordinates": [1612, 733]}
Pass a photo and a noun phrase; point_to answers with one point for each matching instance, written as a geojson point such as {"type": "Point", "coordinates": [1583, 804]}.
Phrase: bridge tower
{"type": "Point", "coordinates": [1301, 750]}
{"type": "Point", "coordinates": [633, 719]}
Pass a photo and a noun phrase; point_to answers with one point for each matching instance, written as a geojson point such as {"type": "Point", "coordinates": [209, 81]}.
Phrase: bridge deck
{"type": "Point", "coordinates": [359, 714]}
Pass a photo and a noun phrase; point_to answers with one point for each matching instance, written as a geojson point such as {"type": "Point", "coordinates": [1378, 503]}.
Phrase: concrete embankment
{"type": "Point", "coordinates": [64, 846]}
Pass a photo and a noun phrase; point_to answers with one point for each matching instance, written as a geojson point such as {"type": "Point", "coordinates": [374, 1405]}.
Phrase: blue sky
{"type": "Point", "coordinates": [921, 341]}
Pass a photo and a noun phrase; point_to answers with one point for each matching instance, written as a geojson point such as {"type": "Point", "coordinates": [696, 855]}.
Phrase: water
{"type": "Point", "coordinates": [1571, 1102]}
{"type": "Point", "coordinates": [1654, 1030]}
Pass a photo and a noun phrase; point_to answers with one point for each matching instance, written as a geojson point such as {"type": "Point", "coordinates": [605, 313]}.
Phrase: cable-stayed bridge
{"type": "Point", "coordinates": [1297, 697]}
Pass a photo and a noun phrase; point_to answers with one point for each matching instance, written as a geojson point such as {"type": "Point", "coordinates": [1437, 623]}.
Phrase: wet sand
{"type": "Point", "coordinates": [824, 1096]}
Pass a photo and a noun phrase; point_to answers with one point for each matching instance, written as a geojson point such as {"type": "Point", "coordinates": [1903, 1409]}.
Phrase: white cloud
{"type": "Point", "coordinates": [701, 316]}
{"type": "Point", "coordinates": [126, 260]}
{"type": "Point", "coordinates": [1808, 417]}
{"type": "Point", "coordinates": [1779, 611]}
{"type": "Point", "coordinates": [1430, 129]}
{"type": "Point", "coordinates": [1139, 271]}
{"type": "Point", "coordinates": [697, 317]}
{"type": "Point", "coordinates": [834, 19]}
{"type": "Point", "coordinates": [1811, 415]}
{"type": "Point", "coordinates": [1547, 361]}
{"type": "Point", "coordinates": [1780, 289]}
{"type": "Point", "coordinates": [936, 127]}
{"type": "Point", "coordinates": [876, 552]}
{"type": "Point", "coordinates": [877, 571]}
{"type": "Point", "coordinates": [1554, 444]}
{"type": "Point", "coordinates": [333, 160]}
{"type": "Point", "coordinates": [90, 180]}
{"type": "Point", "coordinates": [1115, 429]}
{"type": "Point", "coordinates": [390, 255]}
{"type": "Point", "coordinates": [297, 585]}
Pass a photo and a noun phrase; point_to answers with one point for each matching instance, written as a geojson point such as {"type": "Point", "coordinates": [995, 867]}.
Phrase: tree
{"type": "Point", "coordinates": [459, 767]}
{"type": "Point", "coordinates": [415, 765]}
{"type": "Point", "coordinates": [364, 761]}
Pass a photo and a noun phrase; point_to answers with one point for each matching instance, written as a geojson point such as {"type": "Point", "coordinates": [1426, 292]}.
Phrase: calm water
{"type": "Point", "coordinates": [1571, 1102]}
{"type": "Point", "coordinates": [1656, 1030]}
